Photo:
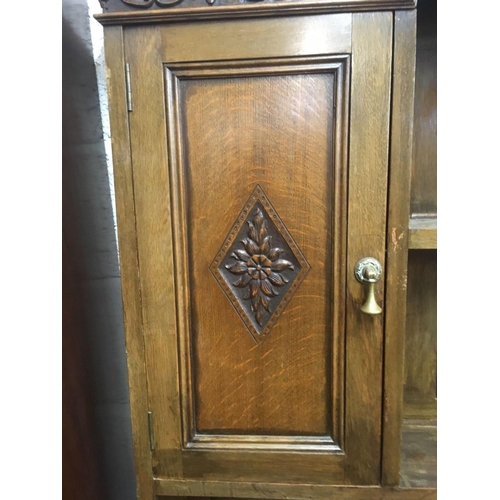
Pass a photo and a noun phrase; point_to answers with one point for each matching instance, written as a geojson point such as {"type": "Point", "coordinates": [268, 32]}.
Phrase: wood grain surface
{"type": "Point", "coordinates": [154, 242]}
{"type": "Point", "coordinates": [289, 491]}
{"type": "Point", "coordinates": [283, 142]}
{"type": "Point", "coordinates": [368, 173]}
{"type": "Point", "coordinates": [421, 335]}
{"type": "Point", "coordinates": [423, 233]}
{"type": "Point", "coordinates": [127, 240]}
{"type": "Point", "coordinates": [397, 240]}
{"type": "Point", "coordinates": [236, 40]}
{"type": "Point", "coordinates": [262, 103]}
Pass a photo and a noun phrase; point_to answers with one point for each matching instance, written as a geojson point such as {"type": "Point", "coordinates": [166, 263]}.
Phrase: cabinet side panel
{"type": "Point", "coordinates": [115, 66]}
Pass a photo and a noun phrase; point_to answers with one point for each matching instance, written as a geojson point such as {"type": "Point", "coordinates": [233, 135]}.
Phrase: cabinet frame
{"type": "Point", "coordinates": [400, 157]}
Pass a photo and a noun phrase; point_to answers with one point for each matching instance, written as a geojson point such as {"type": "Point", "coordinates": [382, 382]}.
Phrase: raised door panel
{"type": "Point", "coordinates": [260, 365]}
{"type": "Point", "coordinates": [256, 208]}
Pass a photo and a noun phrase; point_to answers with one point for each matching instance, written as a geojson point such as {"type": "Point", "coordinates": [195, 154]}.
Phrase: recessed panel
{"type": "Point", "coordinates": [256, 167]}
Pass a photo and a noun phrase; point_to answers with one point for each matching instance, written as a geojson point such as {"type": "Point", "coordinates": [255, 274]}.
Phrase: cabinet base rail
{"type": "Point", "coordinates": [186, 487]}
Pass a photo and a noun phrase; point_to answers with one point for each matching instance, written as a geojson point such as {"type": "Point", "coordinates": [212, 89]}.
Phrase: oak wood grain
{"type": "Point", "coordinates": [127, 240]}
{"type": "Point", "coordinates": [403, 83]}
{"type": "Point", "coordinates": [200, 144]}
{"type": "Point", "coordinates": [269, 389]}
{"type": "Point", "coordinates": [289, 491]}
{"type": "Point", "coordinates": [236, 40]}
{"type": "Point", "coordinates": [218, 109]}
{"type": "Point", "coordinates": [269, 144]}
{"type": "Point", "coordinates": [368, 172]}
{"type": "Point", "coordinates": [423, 233]}
{"type": "Point", "coordinates": [154, 237]}
{"type": "Point", "coordinates": [420, 391]}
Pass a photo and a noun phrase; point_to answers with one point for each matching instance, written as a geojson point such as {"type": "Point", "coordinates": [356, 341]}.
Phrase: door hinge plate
{"type": "Point", "coordinates": [151, 430]}
{"type": "Point", "coordinates": [129, 88]}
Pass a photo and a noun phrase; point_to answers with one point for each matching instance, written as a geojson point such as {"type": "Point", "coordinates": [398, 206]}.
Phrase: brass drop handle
{"type": "Point", "coordinates": [368, 272]}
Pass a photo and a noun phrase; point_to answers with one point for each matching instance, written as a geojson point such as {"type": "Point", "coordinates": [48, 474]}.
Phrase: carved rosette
{"type": "Point", "coordinates": [259, 266]}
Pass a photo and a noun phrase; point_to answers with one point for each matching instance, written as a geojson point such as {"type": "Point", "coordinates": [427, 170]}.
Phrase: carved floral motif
{"type": "Point", "coordinates": [259, 265]}
{"type": "Point", "coordinates": [148, 3]}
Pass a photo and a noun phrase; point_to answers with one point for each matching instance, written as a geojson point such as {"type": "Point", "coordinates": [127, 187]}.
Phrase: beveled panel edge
{"type": "Point", "coordinates": [236, 11]}
{"type": "Point", "coordinates": [290, 491]}
{"type": "Point", "coordinates": [322, 444]}
{"type": "Point", "coordinates": [339, 66]}
{"type": "Point", "coordinates": [256, 67]}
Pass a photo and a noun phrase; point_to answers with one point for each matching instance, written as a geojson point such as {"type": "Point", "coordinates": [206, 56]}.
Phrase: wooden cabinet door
{"type": "Point", "coordinates": [260, 160]}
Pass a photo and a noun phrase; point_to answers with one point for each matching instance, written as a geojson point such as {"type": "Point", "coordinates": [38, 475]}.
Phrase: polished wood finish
{"type": "Point", "coordinates": [154, 236]}
{"type": "Point", "coordinates": [403, 84]}
{"type": "Point", "coordinates": [423, 233]}
{"type": "Point", "coordinates": [127, 240]}
{"type": "Point", "coordinates": [219, 489]}
{"type": "Point", "coordinates": [235, 40]}
{"type": "Point", "coordinates": [221, 110]}
{"type": "Point", "coordinates": [368, 173]}
{"type": "Point", "coordinates": [286, 393]}
{"type": "Point", "coordinates": [270, 144]}
{"type": "Point", "coordinates": [421, 335]}
{"type": "Point", "coordinates": [419, 454]}
{"type": "Point", "coordinates": [235, 9]}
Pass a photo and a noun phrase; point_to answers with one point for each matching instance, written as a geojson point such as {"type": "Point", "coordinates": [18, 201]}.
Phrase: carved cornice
{"type": "Point", "coordinates": [154, 11]}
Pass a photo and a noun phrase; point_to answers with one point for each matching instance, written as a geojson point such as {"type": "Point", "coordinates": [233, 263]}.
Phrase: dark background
{"type": "Point", "coordinates": [97, 436]}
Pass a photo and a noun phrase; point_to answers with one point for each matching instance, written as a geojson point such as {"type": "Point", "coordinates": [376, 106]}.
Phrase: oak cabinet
{"type": "Point", "coordinates": [260, 151]}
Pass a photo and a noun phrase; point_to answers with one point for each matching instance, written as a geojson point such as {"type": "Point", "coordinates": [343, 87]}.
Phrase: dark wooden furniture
{"type": "Point", "coordinates": [261, 150]}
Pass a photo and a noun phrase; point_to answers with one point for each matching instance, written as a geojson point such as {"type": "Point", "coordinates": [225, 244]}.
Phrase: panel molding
{"type": "Point", "coordinates": [338, 66]}
{"type": "Point", "coordinates": [274, 443]}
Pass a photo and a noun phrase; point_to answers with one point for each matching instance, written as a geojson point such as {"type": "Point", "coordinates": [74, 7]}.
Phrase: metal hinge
{"type": "Point", "coordinates": [129, 88]}
{"type": "Point", "coordinates": [151, 431]}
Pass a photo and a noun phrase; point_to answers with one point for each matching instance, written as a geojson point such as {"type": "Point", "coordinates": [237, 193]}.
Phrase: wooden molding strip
{"type": "Point", "coordinates": [423, 233]}
{"type": "Point", "coordinates": [234, 11]}
{"type": "Point", "coordinates": [187, 487]}
{"type": "Point", "coordinates": [403, 85]}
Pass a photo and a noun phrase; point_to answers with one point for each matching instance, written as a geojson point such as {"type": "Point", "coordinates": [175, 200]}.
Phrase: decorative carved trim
{"type": "Point", "coordinates": [148, 3]}
{"type": "Point", "coordinates": [259, 266]}
{"type": "Point", "coordinates": [152, 11]}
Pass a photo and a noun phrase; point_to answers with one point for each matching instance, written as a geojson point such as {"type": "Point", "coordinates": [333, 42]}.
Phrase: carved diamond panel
{"type": "Point", "coordinates": [259, 266]}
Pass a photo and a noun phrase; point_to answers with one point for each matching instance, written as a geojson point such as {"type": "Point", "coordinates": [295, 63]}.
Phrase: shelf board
{"type": "Point", "coordinates": [419, 454]}
{"type": "Point", "coordinates": [423, 233]}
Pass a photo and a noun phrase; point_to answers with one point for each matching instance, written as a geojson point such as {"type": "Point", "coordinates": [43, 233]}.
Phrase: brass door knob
{"type": "Point", "coordinates": [368, 272]}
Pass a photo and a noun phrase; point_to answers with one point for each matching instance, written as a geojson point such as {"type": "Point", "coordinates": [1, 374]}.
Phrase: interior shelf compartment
{"type": "Point", "coordinates": [423, 233]}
